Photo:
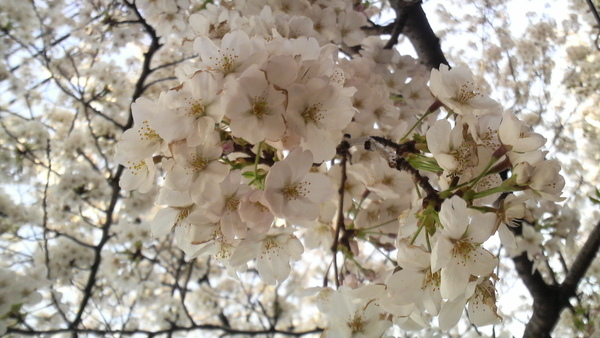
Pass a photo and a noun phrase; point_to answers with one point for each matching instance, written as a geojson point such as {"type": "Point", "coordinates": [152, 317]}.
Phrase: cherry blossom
{"type": "Point", "coordinates": [457, 251]}
{"type": "Point", "coordinates": [456, 89]}
{"type": "Point", "coordinates": [256, 108]}
{"type": "Point", "coordinates": [293, 192]}
{"type": "Point", "coordinates": [195, 166]}
{"type": "Point", "coordinates": [235, 53]}
{"type": "Point", "coordinates": [516, 134]}
{"type": "Point", "coordinates": [273, 252]}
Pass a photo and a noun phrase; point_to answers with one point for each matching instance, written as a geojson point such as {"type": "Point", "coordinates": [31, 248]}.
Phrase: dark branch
{"type": "Point", "coordinates": [422, 37]}
{"type": "Point", "coordinates": [582, 262]}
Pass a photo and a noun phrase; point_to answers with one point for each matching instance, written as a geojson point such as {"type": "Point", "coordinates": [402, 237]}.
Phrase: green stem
{"type": "Point", "coordinates": [492, 191]}
{"type": "Point", "coordinates": [379, 225]}
{"type": "Point", "coordinates": [484, 172]}
{"type": "Point", "coordinates": [256, 161]}
{"type": "Point", "coordinates": [417, 189]}
{"type": "Point", "coordinates": [427, 240]}
{"type": "Point", "coordinates": [416, 125]}
{"type": "Point", "coordinates": [257, 158]}
{"type": "Point", "coordinates": [412, 241]}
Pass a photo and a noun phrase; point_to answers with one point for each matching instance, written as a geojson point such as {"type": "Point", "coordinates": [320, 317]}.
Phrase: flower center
{"type": "Point", "coordinates": [183, 213]}
{"type": "Point", "coordinates": [146, 133]}
{"type": "Point", "coordinates": [357, 324]}
{"type": "Point", "coordinates": [312, 114]}
{"type": "Point", "coordinates": [136, 167]}
{"type": "Point", "coordinates": [463, 249]}
{"type": "Point", "coordinates": [199, 163]}
{"type": "Point", "coordinates": [232, 203]}
{"type": "Point", "coordinates": [466, 93]}
{"type": "Point", "coordinates": [270, 246]}
{"type": "Point", "coordinates": [228, 61]}
{"type": "Point", "coordinates": [292, 192]}
{"type": "Point", "coordinates": [465, 156]}
{"type": "Point", "coordinates": [259, 107]}
{"type": "Point", "coordinates": [197, 109]}
{"type": "Point", "coordinates": [432, 279]}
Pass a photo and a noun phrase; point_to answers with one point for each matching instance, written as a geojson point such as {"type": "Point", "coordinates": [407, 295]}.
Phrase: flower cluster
{"type": "Point", "coordinates": [17, 291]}
{"type": "Point", "coordinates": [252, 144]}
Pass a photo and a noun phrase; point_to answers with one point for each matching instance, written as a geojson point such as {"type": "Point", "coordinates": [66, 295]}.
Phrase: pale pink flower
{"type": "Point", "coordinates": [546, 180]}
{"type": "Point", "coordinates": [415, 283]}
{"type": "Point", "coordinates": [293, 192]}
{"type": "Point", "coordinates": [142, 140]}
{"type": "Point", "coordinates": [221, 203]}
{"type": "Point", "coordinates": [138, 175]}
{"type": "Point", "coordinates": [517, 136]}
{"type": "Point", "coordinates": [543, 179]}
{"type": "Point", "coordinates": [316, 112]}
{"type": "Point", "coordinates": [457, 251]}
{"type": "Point", "coordinates": [349, 24]}
{"type": "Point", "coordinates": [482, 307]}
{"type": "Point", "coordinates": [255, 108]}
{"type": "Point", "coordinates": [272, 251]}
{"type": "Point", "coordinates": [354, 312]}
{"type": "Point", "coordinates": [377, 176]}
{"type": "Point", "coordinates": [195, 166]}
{"type": "Point", "coordinates": [179, 207]}
{"type": "Point", "coordinates": [254, 211]}
{"type": "Point", "coordinates": [457, 90]}
{"type": "Point", "coordinates": [192, 108]}
{"type": "Point", "coordinates": [481, 298]}
{"type": "Point", "coordinates": [235, 53]}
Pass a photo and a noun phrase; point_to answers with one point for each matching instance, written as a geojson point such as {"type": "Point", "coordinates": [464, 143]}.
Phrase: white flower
{"type": "Point", "coordinates": [482, 307]}
{"type": "Point", "coordinates": [316, 112]}
{"type": "Point", "coordinates": [192, 108]}
{"type": "Point", "coordinates": [273, 252]}
{"type": "Point", "coordinates": [255, 212]}
{"type": "Point", "coordinates": [180, 205]}
{"type": "Point", "coordinates": [142, 140]}
{"type": "Point", "coordinates": [354, 312]}
{"type": "Point", "coordinates": [349, 30]}
{"type": "Point", "coordinates": [529, 241]}
{"type": "Point", "coordinates": [138, 175]}
{"type": "Point", "coordinates": [235, 53]}
{"type": "Point", "coordinates": [255, 108]}
{"type": "Point", "coordinates": [221, 204]}
{"type": "Point", "coordinates": [457, 251]}
{"type": "Point", "coordinates": [293, 192]}
{"type": "Point", "coordinates": [546, 180]}
{"type": "Point", "coordinates": [481, 297]}
{"type": "Point", "coordinates": [195, 166]}
{"type": "Point", "coordinates": [514, 133]}
{"type": "Point", "coordinates": [445, 144]}
{"type": "Point", "coordinates": [456, 89]}
{"type": "Point", "coordinates": [415, 283]}
{"type": "Point", "coordinates": [378, 177]}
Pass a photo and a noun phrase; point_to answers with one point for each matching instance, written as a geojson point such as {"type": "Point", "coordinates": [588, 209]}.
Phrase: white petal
{"type": "Point", "coordinates": [481, 227]}
{"type": "Point", "coordinates": [453, 216]}
{"type": "Point", "coordinates": [450, 313]}
{"type": "Point", "coordinates": [455, 277]}
{"type": "Point", "coordinates": [441, 254]}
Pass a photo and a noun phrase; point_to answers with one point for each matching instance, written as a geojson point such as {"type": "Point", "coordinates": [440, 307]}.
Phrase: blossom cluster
{"type": "Point", "coordinates": [18, 291]}
{"type": "Point", "coordinates": [271, 131]}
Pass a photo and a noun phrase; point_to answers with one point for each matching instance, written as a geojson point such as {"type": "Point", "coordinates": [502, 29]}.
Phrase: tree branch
{"type": "Point", "coordinates": [550, 300]}
{"type": "Point", "coordinates": [582, 262]}
{"type": "Point", "coordinates": [422, 37]}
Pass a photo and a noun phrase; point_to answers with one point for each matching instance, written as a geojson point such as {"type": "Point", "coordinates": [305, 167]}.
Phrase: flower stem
{"type": "Point", "coordinates": [484, 172]}
{"type": "Point", "coordinates": [434, 107]}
